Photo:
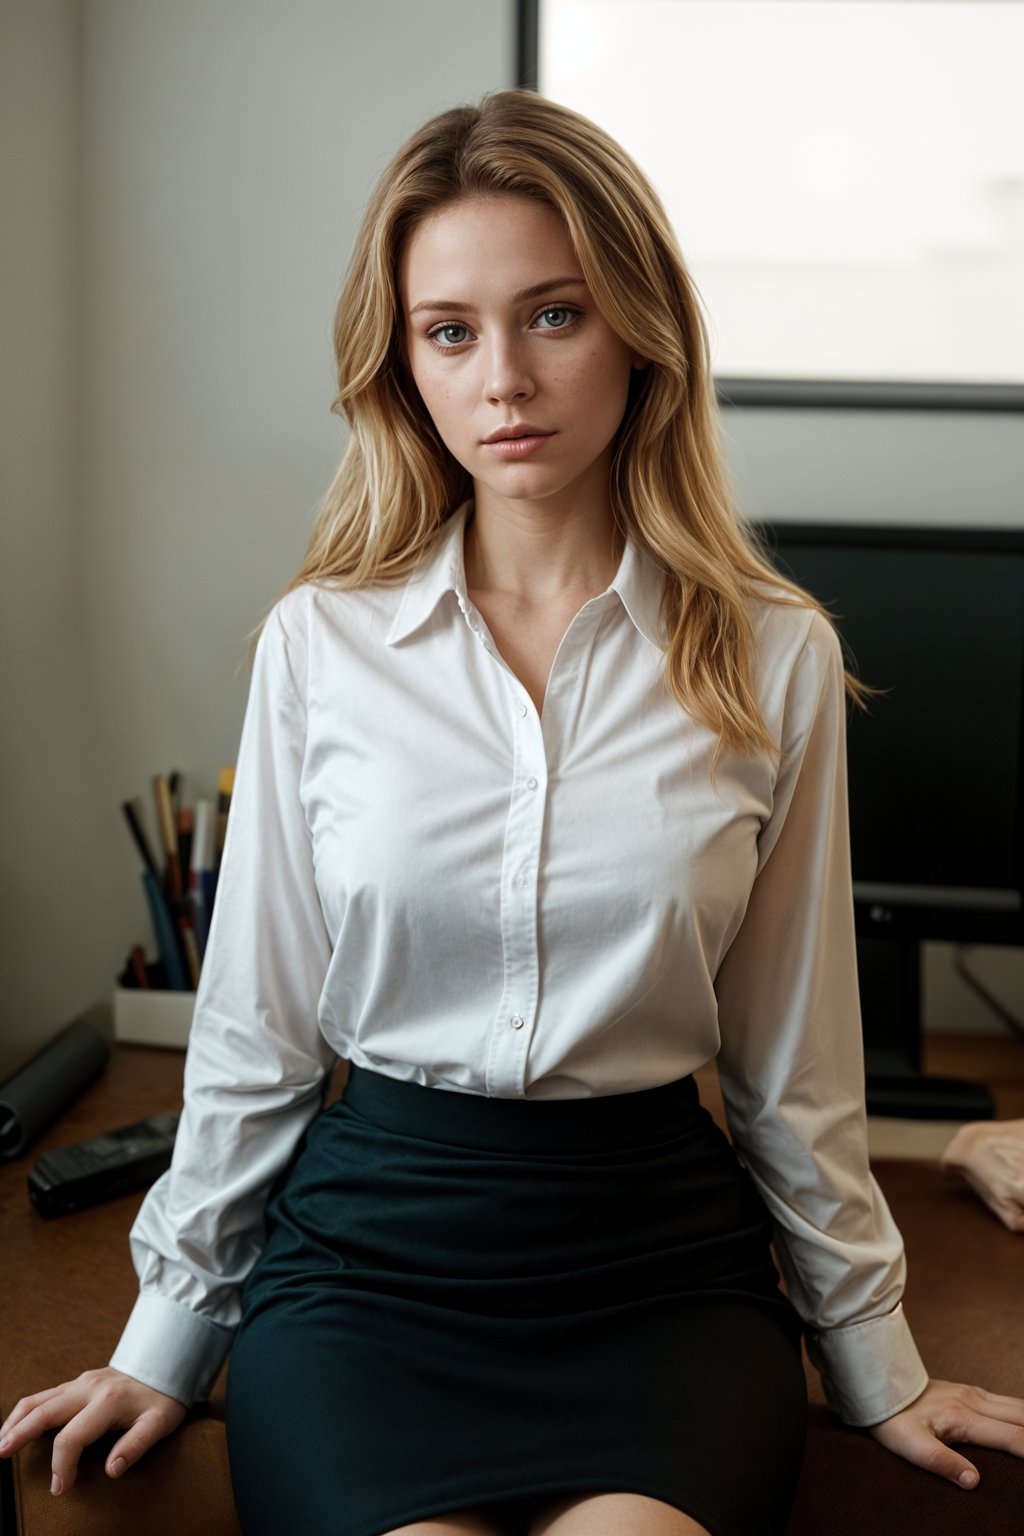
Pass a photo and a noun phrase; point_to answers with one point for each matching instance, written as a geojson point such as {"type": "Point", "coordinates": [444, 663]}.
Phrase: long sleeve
{"type": "Point", "coordinates": [256, 1060]}
{"type": "Point", "coordinates": [791, 1063]}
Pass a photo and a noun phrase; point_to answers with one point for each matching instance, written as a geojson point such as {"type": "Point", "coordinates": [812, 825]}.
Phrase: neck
{"type": "Point", "coordinates": [536, 554]}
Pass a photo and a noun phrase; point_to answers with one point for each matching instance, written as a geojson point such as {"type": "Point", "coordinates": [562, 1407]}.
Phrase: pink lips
{"type": "Point", "coordinates": [516, 439]}
{"type": "Point", "coordinates": [518, 447]}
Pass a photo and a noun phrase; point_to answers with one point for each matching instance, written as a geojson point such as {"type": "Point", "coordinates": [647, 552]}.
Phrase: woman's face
{"type": "Point", "coordinates": [501, 330]}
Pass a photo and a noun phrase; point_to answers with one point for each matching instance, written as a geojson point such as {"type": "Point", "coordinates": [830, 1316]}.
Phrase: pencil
{"type": "Point", "coordinates": [225, 789]}
{"type": "Point", "coordinates": [168, 834]}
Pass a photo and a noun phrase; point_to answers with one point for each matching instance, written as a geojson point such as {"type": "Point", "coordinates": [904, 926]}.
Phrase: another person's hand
{"type": "Point", "coordinates": [989, 1154]}
{"type": "Point", "coordinates": [84, 1409]}
{"type": "Point", "coordinates": [948, 1410]}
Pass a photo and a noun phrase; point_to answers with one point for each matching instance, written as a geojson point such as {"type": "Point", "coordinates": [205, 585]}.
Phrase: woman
{"type": "Point", "coordinates": [540, 806]}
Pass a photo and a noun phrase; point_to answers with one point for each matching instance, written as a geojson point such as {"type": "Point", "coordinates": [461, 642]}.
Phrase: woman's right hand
{"type": "Point", "coordinates": [84, 1409]}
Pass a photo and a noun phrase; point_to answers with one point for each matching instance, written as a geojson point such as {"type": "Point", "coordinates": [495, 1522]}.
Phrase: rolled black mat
{"type": "Point", "coordinates": [37, 1090]}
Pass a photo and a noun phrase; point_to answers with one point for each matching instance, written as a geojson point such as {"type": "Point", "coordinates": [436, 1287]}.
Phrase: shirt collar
{"type": "Point", "coordinates": [442, 571]}
{"type": "Point", "coordinates": [639, 583]}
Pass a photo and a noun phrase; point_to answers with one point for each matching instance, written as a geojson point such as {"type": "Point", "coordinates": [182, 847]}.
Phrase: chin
{"type": "Point", "coordinates": [523, 482]}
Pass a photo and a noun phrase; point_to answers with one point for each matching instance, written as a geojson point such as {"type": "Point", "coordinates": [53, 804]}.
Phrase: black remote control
{"type": "Point", "coordinates": [116, 1163]}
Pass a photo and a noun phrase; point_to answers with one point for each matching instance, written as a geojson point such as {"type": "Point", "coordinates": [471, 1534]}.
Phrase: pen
{"type": "Point", "coordinates": [165, 935]}
{"type": "Point", "coordinates": [202, 865]}
{"type": "Point", "coordinates": [133, 814]}
{"type": "Point", "coordinates": [185, 824]}
{"type": "Point", "coordinates": [188, 939]}
{"type": "Point", "coordinates": [138, 964]}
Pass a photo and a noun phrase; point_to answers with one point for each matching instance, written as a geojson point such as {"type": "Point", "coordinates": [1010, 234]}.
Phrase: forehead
{"type": "Point", "coordinates": [477, 245]}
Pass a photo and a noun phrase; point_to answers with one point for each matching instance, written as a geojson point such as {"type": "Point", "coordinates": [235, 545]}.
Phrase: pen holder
{"type": "Point", "coordinates": [144, 1016]}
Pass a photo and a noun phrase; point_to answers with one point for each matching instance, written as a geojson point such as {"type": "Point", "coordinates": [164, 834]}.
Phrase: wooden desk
{"type": "Point", "coordinates": [67, 1286]}
{"type": "Point", "coordinates": [964, 1301]}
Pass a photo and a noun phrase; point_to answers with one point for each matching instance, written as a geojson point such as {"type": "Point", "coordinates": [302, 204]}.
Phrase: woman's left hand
{"type": "Point", "coordinates": [947, 1410]}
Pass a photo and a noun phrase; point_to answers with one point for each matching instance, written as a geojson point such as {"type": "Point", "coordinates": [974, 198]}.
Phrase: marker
{"type": "Point", "coordinates": [202, 864]}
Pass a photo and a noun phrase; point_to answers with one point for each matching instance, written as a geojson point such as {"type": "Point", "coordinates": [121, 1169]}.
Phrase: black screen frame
{"type": "Point", "coordinates": [891, 926]}
{"type": "Point", "coordinates": [940, 919]}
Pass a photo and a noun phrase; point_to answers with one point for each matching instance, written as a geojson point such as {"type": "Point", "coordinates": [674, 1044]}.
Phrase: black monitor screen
{"type": "Point", "coordinates": [936, 619]}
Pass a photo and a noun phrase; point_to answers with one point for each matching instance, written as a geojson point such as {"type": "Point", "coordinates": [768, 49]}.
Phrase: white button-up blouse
{"type": "Point", "coordinates": [427, 877]}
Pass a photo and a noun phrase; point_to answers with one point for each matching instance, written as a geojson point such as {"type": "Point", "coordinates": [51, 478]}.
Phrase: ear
{"type": "Point", "coordinates": [638, 361]}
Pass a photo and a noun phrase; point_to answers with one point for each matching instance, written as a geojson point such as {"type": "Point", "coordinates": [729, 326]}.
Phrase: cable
{"type": "Point", "coordinates": [962, 969]}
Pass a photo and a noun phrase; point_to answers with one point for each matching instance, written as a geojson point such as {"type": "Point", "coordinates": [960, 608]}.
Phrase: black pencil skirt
{"type": "Point", "coordinates": [468, 1302]}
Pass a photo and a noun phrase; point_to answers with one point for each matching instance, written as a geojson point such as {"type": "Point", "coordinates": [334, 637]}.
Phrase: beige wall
{"type": "Point", "coordinates": [53, 936]}
{"type": "Point", "coordinates": [182, 183]}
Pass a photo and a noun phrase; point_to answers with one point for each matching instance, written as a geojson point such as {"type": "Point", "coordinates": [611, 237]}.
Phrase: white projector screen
{"type": "Point", "coordinates": [846, 177]}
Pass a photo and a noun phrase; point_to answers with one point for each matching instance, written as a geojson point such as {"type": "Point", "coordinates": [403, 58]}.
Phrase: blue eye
{"type": "Point", "coordinates": [441, 337]}
{"type": "Point", "coordinates": [441, 329]}
{"type": "Point", "coordinates": [559, 309]}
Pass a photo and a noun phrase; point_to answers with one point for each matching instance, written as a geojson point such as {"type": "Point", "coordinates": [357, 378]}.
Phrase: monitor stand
{"type": "Point", "coordinates": [917, 1096]}
{"type": "Point", "coordinates": [889, 968]}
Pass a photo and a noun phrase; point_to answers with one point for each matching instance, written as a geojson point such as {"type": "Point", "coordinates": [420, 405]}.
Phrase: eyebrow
{"type": "Point", "coordinates": [536, 292]}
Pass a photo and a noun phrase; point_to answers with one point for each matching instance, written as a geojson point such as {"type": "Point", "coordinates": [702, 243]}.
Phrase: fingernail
{"type": "Point", "coordinates": [968, 1479]}
{"type": "Point", "coordinates": [4, 1443]}
{"type": "Point", "coordinates": [55, 1485]}
{"type": "Point", "coordinates": [117, 1467]}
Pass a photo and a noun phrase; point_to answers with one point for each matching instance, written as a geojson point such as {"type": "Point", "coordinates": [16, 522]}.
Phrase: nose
{"type": "Point", "coordinates": [508, 375]}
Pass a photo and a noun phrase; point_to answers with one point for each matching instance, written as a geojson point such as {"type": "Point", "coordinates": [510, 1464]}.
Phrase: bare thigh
{"type": "Point", "coordinates": [466, 1522]}
{"type": "Point", "coordinates": [614, 1514]}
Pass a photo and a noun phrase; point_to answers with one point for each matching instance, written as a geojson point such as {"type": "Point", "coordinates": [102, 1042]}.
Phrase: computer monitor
{"type": "Point", "coordinates": [935, 617]}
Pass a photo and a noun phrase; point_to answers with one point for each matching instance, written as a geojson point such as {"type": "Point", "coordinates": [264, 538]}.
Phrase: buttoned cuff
{"type": "Point", "coordinates": [869, 1370]}
{"type": "Point", "coordinates": [171, 1348]}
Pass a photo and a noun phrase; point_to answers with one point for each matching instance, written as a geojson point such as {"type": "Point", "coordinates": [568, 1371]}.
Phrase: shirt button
{"type": "Point", "coordinates": [531, 783]}
{"type": "Point", "coordinates": [522, 709]}
{"type": "Point", "coordinates": [516, 1021]}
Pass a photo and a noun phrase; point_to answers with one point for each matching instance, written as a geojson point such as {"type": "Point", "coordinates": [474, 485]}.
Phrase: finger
{"type": "Point", "coordinates": [997, 1406]}
{"type": "Point", "coordinates": [990, 1430]}
{"type": "Point", "coordinates": [1007, 1210]}
{"type": "Point", "coordinates": [56, 1410]}
{"type": "Point", "coordinates": [1010, 1214]}
{"type": "Point", "coordinates": [95, 1419]}
{"type": "Point", "coordinates": [25, 1406]}
{"type": "Point", "coordinates": [965, 1403]}
{"type": "Point", "coordinates": [109, 1410]}
{"type": "Point", "coordinates": [139, 1439]}
{"type": "Point", "coordinates": [924, 1450]}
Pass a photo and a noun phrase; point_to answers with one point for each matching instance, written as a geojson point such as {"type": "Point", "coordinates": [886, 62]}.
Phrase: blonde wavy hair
{"type": "Point", "coordinates": [398, 484]}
